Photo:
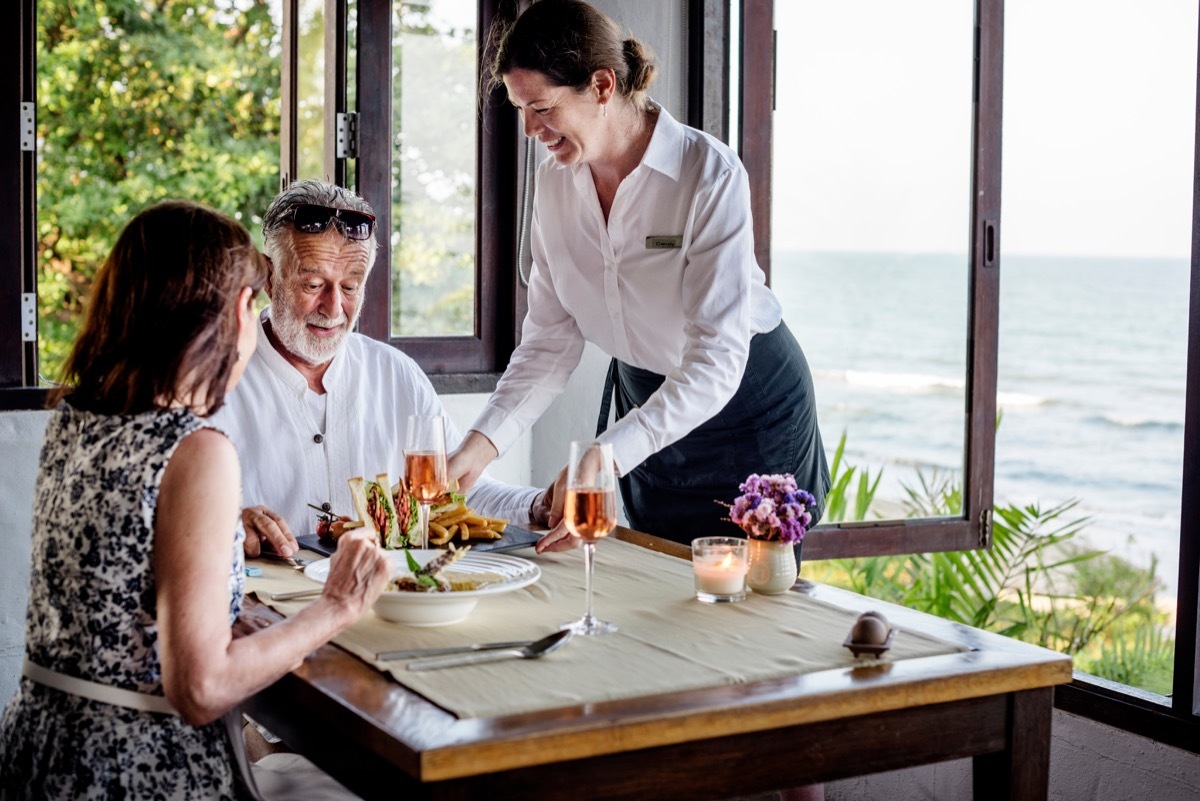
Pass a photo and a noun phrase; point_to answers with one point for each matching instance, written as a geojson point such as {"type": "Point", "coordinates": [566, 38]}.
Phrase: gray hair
{"type": "Point", "coordinates": [278, 234]}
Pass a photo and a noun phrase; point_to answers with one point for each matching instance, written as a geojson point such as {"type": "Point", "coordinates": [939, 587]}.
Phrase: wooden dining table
{"type": "Point", "coordinates": [991, 702]}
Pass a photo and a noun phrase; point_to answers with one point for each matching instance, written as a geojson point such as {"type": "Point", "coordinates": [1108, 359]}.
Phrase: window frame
{"type": "Point", "coordinates": [973, 528]}
{"type": "Point", "coordinates": [18, 359]}
{"type": "Point", "coordinates": [470, 363]}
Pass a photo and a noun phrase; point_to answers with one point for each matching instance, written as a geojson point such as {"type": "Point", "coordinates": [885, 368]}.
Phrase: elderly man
{"type": "Point", "coordinates": [318, 403]}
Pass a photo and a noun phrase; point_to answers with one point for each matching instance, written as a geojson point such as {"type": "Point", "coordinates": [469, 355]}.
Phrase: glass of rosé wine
{"type": "Point", "coordinates": [590, 513]}
{"type": "Point", "coordinates": [425, 466]}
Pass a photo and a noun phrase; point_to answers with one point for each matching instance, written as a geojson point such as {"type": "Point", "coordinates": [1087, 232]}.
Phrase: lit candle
{"type": "Point", "coordinates": [724, 575]}
{"type": "Point", "coordinates": [720, 565]}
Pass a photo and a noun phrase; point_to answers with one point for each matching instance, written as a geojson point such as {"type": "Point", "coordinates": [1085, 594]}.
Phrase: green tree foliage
{"type": "Point", "coordinates": [141, 100]}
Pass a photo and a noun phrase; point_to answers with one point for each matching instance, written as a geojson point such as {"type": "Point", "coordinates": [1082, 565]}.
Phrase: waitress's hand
{"type": "Point", "coordinates": [468, 461]}
{"type": "Point", "coordinates": [559, 538]}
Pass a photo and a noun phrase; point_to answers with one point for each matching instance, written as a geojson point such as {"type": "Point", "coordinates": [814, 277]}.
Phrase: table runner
{"type": "Point", "coordinates": [667, 640]}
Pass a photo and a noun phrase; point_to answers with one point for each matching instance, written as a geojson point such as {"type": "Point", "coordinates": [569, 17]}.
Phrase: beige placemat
{"type": "Point", "coordinates": [667, 640]}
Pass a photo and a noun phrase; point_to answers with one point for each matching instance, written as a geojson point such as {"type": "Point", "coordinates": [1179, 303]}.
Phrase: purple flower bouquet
{"type": "Point", "coordinates": [772, 507]}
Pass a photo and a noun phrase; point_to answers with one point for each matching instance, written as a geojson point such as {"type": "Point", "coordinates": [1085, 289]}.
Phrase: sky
{"type": "Point", "coordinates": [873, 116]}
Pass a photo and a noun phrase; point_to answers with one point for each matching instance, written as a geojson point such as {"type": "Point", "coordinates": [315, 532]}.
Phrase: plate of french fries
{"type": "Point", "coordinates": [461, 524]}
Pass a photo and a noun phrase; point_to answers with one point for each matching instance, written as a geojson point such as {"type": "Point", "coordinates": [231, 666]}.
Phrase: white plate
{"type": "Point", "coordinates": [443, 608]}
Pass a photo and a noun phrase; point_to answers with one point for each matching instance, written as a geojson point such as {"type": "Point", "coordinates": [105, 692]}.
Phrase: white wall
{"type": "Point", "coordinates": [514, 466]}
{"type": "Point", "coordinates": [20, 441]}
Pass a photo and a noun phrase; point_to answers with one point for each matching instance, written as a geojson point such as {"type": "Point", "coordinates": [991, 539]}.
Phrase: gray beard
{"type": "Point", "coordinates": [293, 334]}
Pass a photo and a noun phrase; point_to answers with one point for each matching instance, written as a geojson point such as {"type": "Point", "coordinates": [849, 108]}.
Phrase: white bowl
{"type": "Point", "coordinates": [444, 608]}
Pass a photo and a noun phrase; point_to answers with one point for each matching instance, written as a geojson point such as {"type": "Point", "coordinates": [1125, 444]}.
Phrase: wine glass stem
{"type": "Point", "coordinates": [423, 524]}
{"type": "Point", "coordinates": [589, 557]}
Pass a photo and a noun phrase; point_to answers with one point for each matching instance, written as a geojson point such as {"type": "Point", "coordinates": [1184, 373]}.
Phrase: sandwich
{"type": "Point", "coordinates": [358, 496]}
{"type": "Point", "coordinates": [382, 510]}
{"type": "Point", "coordinates": [408, 520]}
{"type": "Point", "coordinates": [392, 517]}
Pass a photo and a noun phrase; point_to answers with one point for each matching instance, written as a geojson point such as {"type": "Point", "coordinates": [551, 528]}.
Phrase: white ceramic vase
{"type": "Point", "coordinates": [773, 567]}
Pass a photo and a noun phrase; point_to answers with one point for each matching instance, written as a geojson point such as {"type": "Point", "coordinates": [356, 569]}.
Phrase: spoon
{"type": "Point", "coordinates": [531, 651]}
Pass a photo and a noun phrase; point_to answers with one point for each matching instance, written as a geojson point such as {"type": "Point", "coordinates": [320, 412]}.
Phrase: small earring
{"type": "Point", "coordinates": [605, 107]}
{"type": "Point", "coordinates": [238, 353]}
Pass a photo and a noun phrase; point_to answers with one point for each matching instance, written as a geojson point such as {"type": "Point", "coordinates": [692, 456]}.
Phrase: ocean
{"type": "Point", "coordinates": [1092, 370]}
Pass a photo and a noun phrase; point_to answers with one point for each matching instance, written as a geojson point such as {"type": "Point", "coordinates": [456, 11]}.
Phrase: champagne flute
{"type": "Point", "coordinates": [590, 513]}
{"type": "Point", "coordinates": [425, 466]}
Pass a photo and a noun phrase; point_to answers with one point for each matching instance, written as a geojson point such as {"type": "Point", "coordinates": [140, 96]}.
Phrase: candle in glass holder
{"type": "Point", "coordinates": [720, 565]}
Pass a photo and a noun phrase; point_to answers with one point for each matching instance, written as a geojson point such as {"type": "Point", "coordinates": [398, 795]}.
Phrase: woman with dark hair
{"type": "Point", "coordinates": [642, 244]}
{"type": "Point", "coordinates": [138, 571]}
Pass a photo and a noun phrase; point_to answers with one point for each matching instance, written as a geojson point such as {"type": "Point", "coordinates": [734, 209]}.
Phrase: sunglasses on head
{"type": "Point", "coordinates": [316, 219]}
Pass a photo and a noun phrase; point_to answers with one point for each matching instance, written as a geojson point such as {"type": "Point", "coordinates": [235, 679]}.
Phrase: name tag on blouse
{"type": "Point", "coordinates": [664, 242]}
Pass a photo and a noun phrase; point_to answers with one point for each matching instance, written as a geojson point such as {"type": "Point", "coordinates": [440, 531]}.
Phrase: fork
{"type": "Point", "coordinates": [296, 562]}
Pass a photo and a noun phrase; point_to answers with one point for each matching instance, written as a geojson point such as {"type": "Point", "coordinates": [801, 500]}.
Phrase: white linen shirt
{"type": "Point", "coordinates": [371, 389]}
{"type": "Point", "coordinates": [686, 312]}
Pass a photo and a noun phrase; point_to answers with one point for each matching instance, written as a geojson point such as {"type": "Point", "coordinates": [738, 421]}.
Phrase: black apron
{"type": "Point", "coordinates": [769, 426]}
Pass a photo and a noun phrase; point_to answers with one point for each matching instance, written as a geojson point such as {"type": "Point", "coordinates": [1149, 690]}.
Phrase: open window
{"type": "Point", "coordinates": [439, 165]}
{"type": "Point", "coordinates": [843, 91]}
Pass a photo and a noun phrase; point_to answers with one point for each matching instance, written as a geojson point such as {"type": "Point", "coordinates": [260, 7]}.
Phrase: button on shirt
{"type": "Point", "coordinates": [371, 389]}
{"type": "Point", "coordinates": [685, 312]}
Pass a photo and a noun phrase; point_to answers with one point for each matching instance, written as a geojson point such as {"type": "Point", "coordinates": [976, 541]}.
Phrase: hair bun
{"type": "Point", "coordinates": [642, 68]}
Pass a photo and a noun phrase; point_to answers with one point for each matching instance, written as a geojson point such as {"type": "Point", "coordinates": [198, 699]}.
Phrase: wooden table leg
{"type": "Point", "coordinates": [1021, 772]}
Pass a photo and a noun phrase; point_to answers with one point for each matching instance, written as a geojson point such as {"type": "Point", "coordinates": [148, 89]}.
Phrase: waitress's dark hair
{"type": "Point", "coordinates": [567, 41]}
{"type": "Point", "coordinates": [163, 310]}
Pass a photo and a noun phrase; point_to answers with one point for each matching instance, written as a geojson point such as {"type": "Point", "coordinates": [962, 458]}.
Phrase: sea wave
{"type": "Point", "coordinates": [921, 384]}
{"type": "Point", "coordinates": [903, 383]}
{"type": "Point", "coordinates": [1009, 400]}
{"type": "Point", "coordinates": [1141, 423]}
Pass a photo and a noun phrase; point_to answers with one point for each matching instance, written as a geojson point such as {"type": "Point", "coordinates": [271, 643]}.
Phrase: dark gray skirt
{"type": "Point", "coordinates": [769, 426]}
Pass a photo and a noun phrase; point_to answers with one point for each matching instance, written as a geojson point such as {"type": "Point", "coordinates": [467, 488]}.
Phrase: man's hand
{"type": "Point", "coordinates": [541, 509]}
{"type": "Point", "coordinates": [468, 461]}
{"type": "Point", "coordinates": [265, 530]}
{"type": "Point", "coordinates": [559, 538]}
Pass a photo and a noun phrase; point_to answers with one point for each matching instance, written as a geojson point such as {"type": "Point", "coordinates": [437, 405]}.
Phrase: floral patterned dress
{"type": "Point", "coordinates": [92, 615]}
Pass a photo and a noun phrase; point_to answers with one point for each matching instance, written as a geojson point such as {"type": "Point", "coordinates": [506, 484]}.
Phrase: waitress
{"type": "Point", "coordinates": [643, 244]}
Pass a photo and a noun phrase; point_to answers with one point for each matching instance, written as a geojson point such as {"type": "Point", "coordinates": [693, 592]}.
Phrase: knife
{"type": "Point", "coordinates": [295, 595]}
{"type": "Point", "coordinates": [508, 546]}
{"type": "Point", "coordinates": [388, 656]}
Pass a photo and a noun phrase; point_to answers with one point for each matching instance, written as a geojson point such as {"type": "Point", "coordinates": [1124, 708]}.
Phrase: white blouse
{"type": "Point", "coordinates": [669, 285]}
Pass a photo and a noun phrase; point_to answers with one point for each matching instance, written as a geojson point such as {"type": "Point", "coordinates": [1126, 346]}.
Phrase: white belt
{"type": "Point", "coordinates": [96, 692]}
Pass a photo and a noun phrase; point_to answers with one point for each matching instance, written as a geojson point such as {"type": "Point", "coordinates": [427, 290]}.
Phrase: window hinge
{"type": "Point", "coordinates": [28, 129]}
{"type": "Point", "coordinates": [985, 528]}
{"type": "Point", "coordinates": [29, 317]}
{"type": "Point", "coordinates": [347, 135]}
